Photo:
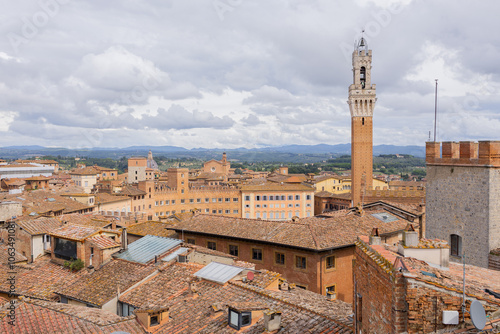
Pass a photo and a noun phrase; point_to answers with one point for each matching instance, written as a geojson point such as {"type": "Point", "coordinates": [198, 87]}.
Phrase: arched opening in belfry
{"type": "Point", "coordinates": [362, 76]}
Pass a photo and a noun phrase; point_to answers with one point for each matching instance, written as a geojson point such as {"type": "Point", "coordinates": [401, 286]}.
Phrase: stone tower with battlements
{"type": "Point", "coordinates": [361, 102]}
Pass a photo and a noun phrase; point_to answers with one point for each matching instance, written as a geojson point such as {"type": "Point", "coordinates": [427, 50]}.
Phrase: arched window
{"type": "Point", "coordinates": [362, 76]}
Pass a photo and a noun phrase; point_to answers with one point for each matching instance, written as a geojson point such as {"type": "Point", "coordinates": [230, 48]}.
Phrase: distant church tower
{"type": "Point", "coordinates": [361, 103]}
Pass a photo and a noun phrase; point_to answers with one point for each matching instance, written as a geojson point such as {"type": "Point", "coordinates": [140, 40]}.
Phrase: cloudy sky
{"type": "Point", "coordinates": [243, 73]}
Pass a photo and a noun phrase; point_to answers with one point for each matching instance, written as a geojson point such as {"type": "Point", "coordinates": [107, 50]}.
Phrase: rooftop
{"type": "Point", "coordinates": [74, 232]}
{"type": "Point", "coordinates": [39, 279]}
{"type": "Point", "coordinates": [36, 316]}
{"type": "Point", "coordinates": [146, 248]}
{"type": "Point", "coordinates": [311, 233]}
{"type": "Point", "coordinates": [41, 225]}
{"type": "Point", "coordinates": [477, 279]}
{"type": "Point", "coordinates": [152, 228]}
{"type": "Point", "coordinates": [272, 186]}
{"type": "Point", "coordinates": [102, 285]}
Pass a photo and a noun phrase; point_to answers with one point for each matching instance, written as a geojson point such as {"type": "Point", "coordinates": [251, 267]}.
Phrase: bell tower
{"type": "Point", "coordinates": [361, 104]}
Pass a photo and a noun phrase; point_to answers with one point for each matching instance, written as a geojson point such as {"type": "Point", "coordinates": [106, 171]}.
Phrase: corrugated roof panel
{"type": "Point", "coordinates": [145, 249]}
{"type": "Point", "coordinates": [174, 254]}
{"type": "Point", "coordinates": [218, 272]}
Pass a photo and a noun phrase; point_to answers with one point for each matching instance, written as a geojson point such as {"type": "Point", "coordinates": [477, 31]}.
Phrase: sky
{"type": "Point", "coordinates": [243, 73]}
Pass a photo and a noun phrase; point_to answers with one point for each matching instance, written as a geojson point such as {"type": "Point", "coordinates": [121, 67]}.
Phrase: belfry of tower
{"type": "Point", "coordinates": [361, 104]}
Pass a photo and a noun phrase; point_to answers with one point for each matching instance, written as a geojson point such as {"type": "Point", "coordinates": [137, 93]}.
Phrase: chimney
{"type": "Point", "coordinates": [375, 237]}
{"type": "Point", "coordinates": [124, 239]}
{"type": "Point", "coordinates": [272, 320]}
{"type": "Point", "coordinates": [331, 295]}
{"type": "Point", "coordinates": [410, 236]}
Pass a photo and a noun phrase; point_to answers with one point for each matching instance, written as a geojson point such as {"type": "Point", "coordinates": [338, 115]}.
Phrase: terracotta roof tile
{"type": "Point", "coordinates": [103, 242]}
{"type": "Point", "coordinates": [38, 226]}
{"type": "Point", "coordinates": [158, 229]}
{"type": "Point", "coordinates": [5, 257]}
{"type": "Point", "coordinates": [309, 233]}
{"type": "Point", "coordinates": [34, 317]}
{"type": "Point", "coordinates": [102, 285]}
{"type": "Point", "coordinates": [74, 232]}
{"type": "Point", "coordinates": [272, 186]}
{"type": "Point", "coordinates": [40, 279]}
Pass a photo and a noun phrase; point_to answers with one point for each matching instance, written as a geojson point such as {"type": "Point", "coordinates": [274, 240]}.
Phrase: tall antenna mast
{"type": "Point", "coordinates": [435, 109]}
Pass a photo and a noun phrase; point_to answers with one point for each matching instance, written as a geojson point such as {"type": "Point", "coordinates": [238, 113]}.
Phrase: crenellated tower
{"type": "Point", "coordinates": [361, 102]}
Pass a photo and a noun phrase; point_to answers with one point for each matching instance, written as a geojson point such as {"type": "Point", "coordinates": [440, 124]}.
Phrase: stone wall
{"type": "Point", "coordinates": [9, 210]}
{"type": "Point", "coordinates": [463, 191]}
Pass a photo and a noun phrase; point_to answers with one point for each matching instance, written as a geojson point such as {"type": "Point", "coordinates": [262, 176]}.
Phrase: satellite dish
{"type": "Point", "coordinates": [478, 315]}
{"type": "Point", "coordinates": [250, 275]}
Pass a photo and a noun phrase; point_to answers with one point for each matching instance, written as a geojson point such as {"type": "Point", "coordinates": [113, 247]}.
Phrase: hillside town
{"type": "Point", "coordinates": [208, 250]}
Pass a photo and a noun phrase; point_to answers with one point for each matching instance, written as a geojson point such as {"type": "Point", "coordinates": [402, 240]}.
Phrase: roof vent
{"type": "Point", "coordinates": [410, 236]}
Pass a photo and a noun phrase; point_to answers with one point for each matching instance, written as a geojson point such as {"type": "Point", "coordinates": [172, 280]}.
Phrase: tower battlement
{"type": "Point", "coordinates": [482, 153]}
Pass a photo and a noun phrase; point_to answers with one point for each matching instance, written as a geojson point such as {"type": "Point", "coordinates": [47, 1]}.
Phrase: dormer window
{"type": "Point", "coordinates": [239, 319]}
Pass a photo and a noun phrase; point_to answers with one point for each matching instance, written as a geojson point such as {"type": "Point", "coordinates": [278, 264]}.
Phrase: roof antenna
{"type": "Point", "coordinates": [435, 108]}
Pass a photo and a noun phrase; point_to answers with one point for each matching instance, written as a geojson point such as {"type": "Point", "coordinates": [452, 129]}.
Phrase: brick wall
{"type": "Point", "coordinates": [383, 304]}
{"type": "Point", "coordinates": [315, 277]}
{"type": "Point", "coordinates": [494, 261]}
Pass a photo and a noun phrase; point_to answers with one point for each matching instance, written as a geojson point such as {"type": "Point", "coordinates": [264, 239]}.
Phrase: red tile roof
{"type": "Point", "coordinates": [102, 285]}
{"type": "Point", "coordinates": [310, 233]}
{"type": "Point", "coordinates": [74, 232]}
{"type": "Point", "coordinates": [103, 242]}
{"type": "Point", "coordinates": [40, 279]}
{"type": "Point", "coordinates": [35, 317]}
{"type": "Point", "coordinates": [38, 226]}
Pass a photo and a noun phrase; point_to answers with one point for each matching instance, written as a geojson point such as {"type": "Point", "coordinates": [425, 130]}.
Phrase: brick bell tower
{"type": "Point", "coordinates": [361, 104]}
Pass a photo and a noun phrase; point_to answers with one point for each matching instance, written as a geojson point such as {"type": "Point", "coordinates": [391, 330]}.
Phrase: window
{"type": "Point", "coordinates": [227, 199]}
{"type": "Point", "coordinates": [198, 200]}
{"type": "Point", "coordinates": [297, 197]}
{"type": "Point", "coordinates": [167, 202]}
{"type": "Point", "coordinates": [257, 214]}
{"type": "Point", "coordinates": [247, 198]}
{"type": "Point", "coordinates": [235, 211]}
{"type": "Point", "coordinates": [290, 197]}
{"type": "Point", "coordinates": [257, 254]}
{"type": "Point", "coordinates": [207, 200]}
{"type": "Point", "coordinates": [207, 210]}
{"type": "Point", "coordinates": [154, 321]}
{"type": "Point", "coordinates": [257, 205]}
{"type": "Point", "coordinates": [308, 197]}
{"type": "Point", "coordinates": [220, 199]}
{"type": "Point", "coordinates": [191, 200]}
{"type": "Point", "coordinates": [173, 201]}
{"type": "Point", "coordinates": [183, 201]}
{"type": "Point", "coordinates": [214, 200]}
{"type": "Point", "coordinates": [235, 199]}
{"type": "Point", "coordinates": [282, 197]}
{"type": "Point", "coordinates": [247, 205]}
{"type": "Point", "coordinates": [156, 203]}
{"type": "Point", "coordinates": [330, 289]}
{"type": "Point", "coordinates": [456, 245]}
{"type": "Point", "coordinates": [214, 211]}
{"type": "Point", "coordinates": [212, 245]}
{"type": "Point", "coordinates": [264, 198]}
{"type": "Point", "coordinates": [233, 250]}
{"type": "Point", "coordinates": [271, 198]}
{"type": "Point", "coordinates": [228, 212]}
{"type": "Point", "coordinates": [297, 205]}
{"type": "Point", "coordinates": [220, 211]}
{"type": "Point", "coordinates": [257, 198]}
{"type": "Point", "coordinates": [300, 262]}
{"type": "Point", "coordinates": [65, 249]}
{"type": "Point", "coordinates": [271, 215]}
{"type": "Point", "coordinates": [279, 258]}
{"type": "Point", "coordinates": [330, 262]}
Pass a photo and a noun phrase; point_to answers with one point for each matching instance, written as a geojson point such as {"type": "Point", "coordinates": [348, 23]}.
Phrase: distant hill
{"type": "Point", "coordinates": [287, 153]}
